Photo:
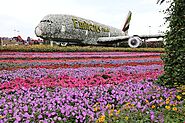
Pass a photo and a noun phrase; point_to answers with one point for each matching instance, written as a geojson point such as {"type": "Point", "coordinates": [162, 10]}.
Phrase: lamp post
{"type": "Point", "coordinates": [149, 30]}
{"type": "Point", "coordinates": [16, 32]}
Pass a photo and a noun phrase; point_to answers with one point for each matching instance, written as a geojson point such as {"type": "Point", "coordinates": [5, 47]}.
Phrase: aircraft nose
{"type": "Point", "coordinates": [38, 31]}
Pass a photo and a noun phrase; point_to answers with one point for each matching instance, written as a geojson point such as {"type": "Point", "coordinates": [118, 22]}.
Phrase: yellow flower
{"type": "Point", "coordinates": [128, 103]}
{"type": "Point", "coordinates": [146, 101]}
{"type": "Point", "coordinates": [96, 108]}
{"type": "Point", "coordinates": [161, 104]}
{"type": "Point", "coordinates": [132, 105]}
{"type": "Point", "coordinates": [97, 103]}
{"type": "Point", "coordinates": [174, 104]}
{"type": "Point", "coordinates": [167, 107]}
{"type": "Point", "coordinates": [126, 118]}
{"type": "Point", "coordinates": [1, 117]}
{"type": "Point", "coordinates": [109, 106]}
{"type": "Point", "coordinates": [118, 112]}
{"type": "Point", "coordinates": [167, 102]}
{"type": "Point", "coordinates": [178, 97]}
{"type": "Point", "coordinates": [161, 98]}
{"type": "Point", "coordinates": [168, 99]}
{"type": "Point", "coordinates": [174, 109]}
{"type": "Point", "coordinates": [153, 106]}
{"type": "Point", "coordinates": [101, 119]}
{"type": "Point", "coordinates": [112, 110]}
{"type": "Point", "coordinates": [110, 114]}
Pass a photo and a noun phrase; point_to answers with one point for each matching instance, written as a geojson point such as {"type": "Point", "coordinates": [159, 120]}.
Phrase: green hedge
{"type": "Point", "coordinates": [48, 48]}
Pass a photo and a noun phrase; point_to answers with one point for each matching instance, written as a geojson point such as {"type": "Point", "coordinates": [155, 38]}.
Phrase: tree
{"type": "Point", "coordinates": [174, 57]}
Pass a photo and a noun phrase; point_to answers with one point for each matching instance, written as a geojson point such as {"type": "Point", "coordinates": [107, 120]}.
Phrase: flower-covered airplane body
{"type": "Point", "coordinates": [71, 29]}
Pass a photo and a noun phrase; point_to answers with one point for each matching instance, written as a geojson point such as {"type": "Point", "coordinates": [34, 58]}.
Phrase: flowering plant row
{"type": "Point", "coordinates": [10, 64]}
{"type": "Point", "coordinates": [68, 81]}
{"type": "Point", "coordinates": [73, 55]}
{"type": "Point", "coordinates": [88, 104]}
{"type": "Point", "coordinates": [81, 73]}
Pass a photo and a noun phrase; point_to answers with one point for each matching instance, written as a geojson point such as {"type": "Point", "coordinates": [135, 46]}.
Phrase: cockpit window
{"type": "Point", "coordinates": [46, 21]}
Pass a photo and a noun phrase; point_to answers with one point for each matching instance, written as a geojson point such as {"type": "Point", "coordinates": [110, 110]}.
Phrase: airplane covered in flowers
{"type": "Point", "coordinates": [66, 29]}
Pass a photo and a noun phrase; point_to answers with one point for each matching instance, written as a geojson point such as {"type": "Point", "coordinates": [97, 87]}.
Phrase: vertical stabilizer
{"type": "Point", "coordinates": [127, 23]}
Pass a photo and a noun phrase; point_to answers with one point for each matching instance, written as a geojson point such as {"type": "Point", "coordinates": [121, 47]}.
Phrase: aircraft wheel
{"type": "Point", "coordinates": [64, 44]}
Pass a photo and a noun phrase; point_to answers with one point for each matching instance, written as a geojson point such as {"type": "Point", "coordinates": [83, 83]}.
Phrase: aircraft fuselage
{"type": "Point", "coordinates": [68, 28]}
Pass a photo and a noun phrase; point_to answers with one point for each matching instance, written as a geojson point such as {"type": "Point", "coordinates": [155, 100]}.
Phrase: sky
{"type": "Point", "coordinates": [20, 17]}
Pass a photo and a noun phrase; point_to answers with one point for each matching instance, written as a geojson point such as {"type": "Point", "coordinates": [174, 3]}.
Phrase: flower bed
{"type": "Point", "coordinates": [103, 87]}
{"type": "Point", "coordinates": [72, 55]}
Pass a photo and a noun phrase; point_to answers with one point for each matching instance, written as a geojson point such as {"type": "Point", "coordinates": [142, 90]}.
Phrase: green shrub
{"type": "Point", "coordinates": [174, 57]}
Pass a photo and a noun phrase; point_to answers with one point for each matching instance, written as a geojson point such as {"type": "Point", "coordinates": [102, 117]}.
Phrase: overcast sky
{"type": "Point", "coordinates": [22, 16]}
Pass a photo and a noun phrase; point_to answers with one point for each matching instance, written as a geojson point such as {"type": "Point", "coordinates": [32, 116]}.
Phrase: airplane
{"type": "Point", "coordinates": [69, 29]}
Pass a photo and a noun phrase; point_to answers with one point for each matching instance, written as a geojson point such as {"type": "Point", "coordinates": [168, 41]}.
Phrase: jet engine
{"type": "Point", "coordinates": [134, 42]}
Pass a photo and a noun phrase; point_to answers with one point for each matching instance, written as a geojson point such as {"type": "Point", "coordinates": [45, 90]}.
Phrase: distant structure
{"type": "Point", "coordinates": [5, 41]}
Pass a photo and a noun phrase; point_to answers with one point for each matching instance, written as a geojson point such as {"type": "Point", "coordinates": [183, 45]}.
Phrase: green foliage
{"type": "Point", "coordinates": [174, 57]}
{"type": "Point", "coordinates": [48, 48]}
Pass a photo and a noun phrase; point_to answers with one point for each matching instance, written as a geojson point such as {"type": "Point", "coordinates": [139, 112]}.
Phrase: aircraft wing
{"type": "Point", "coordinates": [113, 39]}
{"type": "Point", "coordinates": [126, 38]}
{"type": "Point", "coordinates": [133, 41]}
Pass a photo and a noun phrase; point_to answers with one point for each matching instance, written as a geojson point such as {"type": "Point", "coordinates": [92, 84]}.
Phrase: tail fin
{"type": "Point", "coordinates": [127, 23]}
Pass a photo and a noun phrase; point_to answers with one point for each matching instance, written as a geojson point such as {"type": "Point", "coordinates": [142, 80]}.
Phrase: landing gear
{"type": "Point", "coordinates": [63, 44]}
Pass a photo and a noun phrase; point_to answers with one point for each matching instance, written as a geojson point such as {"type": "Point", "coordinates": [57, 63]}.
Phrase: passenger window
{"type": "Point", "coordinates": [63, 29]}
{"type": "Point", "coordinates": [46, 21]}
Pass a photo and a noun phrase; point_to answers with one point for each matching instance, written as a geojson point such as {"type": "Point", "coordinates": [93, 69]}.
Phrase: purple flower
{"type": "Point", "coordinates": [27, 121]}
{"type": "Point", "coordinates": [18, 118]}
{"type": "Point", "coordinates": [40, 116]}
{"type": "Point", "coordinates": [26, 115]}
{"type": "Point", "coordinates": [161, 118]}
{"type": "Point", "coordinates": [139, 105]}
{"type": "Point", "coordinates": [25, 108]}
{"type": "Point", "coordinates": [62, 110]}
{"type": "Point", "coordinates": [59, 118]}
{"type": "Point", "coordinates": [45, 121]}
{"type": "Point", "coordinates": [5, 112]}
{"type": "Point", "coordinates": [73, 114]}
{"type": "Point", "coordinates": [152, 115]}
{"type": "Point", "coordinates": [53, 113]}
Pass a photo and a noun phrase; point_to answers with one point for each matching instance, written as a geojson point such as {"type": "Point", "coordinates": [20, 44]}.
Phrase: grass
{"type": "Point", "coordinates": [48, 48]}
